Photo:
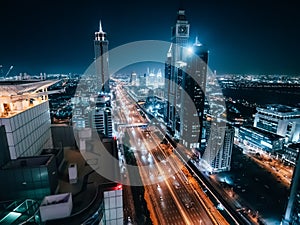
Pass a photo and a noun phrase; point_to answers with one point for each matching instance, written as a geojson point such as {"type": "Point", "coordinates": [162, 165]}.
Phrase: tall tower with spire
{"type": "Point", "coordinates": [101, 57]}
{"type": "Point", "coordinates": [185, 72]}
{"type": "Point", "coordinates": [175, 66]}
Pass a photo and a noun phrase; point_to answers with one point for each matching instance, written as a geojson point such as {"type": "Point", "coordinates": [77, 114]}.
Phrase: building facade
{"type": "Point", "coordinates": [25, 177]}
{"type": "Point", "coordinates": [101, 60]}
{"type": "Point", "coordinates": [193, 94]}
{"type": "Point", "coordinates": [218, 151]}
{"type": "Point", "coordinates": [95, 114]}
{"type": "Point", "coordinates": [279, 119]}
{"type": "Point", "coordinates": [113, 206]}
{"type": "Point", "coordinates": [101, 121]}
{"type": "Point", "coordinates": [185, 75]}
{"type": "Point", "coordinates": [292, 213]}
{"type": "Point", "coordinates": [258, 139]}
{"type": "Point", "coordinates": [290, 153]}
{"type": "Point", "coordinates": [174, 68]}
{"type": "Point", "coordinates": [25, 114]}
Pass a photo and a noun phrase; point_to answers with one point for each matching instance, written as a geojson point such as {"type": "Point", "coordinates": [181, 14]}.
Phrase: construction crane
{"type": "Point", "coordinates": [10, 68]}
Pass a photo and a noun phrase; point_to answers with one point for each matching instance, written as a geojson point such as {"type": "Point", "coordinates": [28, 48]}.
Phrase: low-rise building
{"type": "Point", "coordinates": [33, 177]}
{"type": "Point", "coordinates": [291, 152]}
{"type": "Point", "coordinates": [279, 119]}
{"type": "Point", "coordinates": [260, 139]}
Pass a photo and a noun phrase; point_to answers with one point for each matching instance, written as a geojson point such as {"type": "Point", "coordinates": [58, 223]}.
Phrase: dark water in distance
{"type": "Point", "coordinates": [263, 96]}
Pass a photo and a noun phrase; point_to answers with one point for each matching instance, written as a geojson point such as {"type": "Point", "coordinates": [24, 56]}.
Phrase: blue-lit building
{"type": "Point", "coordinates": [193, 87]}
{"type": "Point", "coordinates": [260, 139]}
{"type": "Point", "coordinates": [175, 69]}
{"type": "Point", "coordinates": [291, 152]}
{"type": "Point", "coordinates": [20, 212]}
{"type": "Point", "coordinates": [185, 73]}
{"type": "Point", "coordinates": [279, 119]}
{"type": "Point", "coordinates": [218, 152]}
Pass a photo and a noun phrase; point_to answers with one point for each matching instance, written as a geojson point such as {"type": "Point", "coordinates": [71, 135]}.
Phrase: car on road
{"type": "Point", "coordinates": [189, 204]}
{"type": "Point", "coordinates": [176, 184]}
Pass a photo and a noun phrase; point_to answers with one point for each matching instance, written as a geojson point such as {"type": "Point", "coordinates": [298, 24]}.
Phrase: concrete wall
{"type": "Point", "coordinates": [63, 136]}
{"type": "Point", "coordinates": [56, 206]}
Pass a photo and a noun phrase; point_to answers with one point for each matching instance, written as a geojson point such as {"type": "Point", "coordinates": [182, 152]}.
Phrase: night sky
{"type": "Point", "coordinates": [258, 36]}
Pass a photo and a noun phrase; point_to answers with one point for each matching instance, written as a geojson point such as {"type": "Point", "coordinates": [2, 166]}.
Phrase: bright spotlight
{"type": "Point", "coordinates": [190, 50]}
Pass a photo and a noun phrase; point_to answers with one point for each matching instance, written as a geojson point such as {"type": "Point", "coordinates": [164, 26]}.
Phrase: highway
{"type": "Point", "coordinates": [171, 196]}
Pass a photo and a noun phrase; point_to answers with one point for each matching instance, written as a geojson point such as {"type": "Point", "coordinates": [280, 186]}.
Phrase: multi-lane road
{"type": "Point", "coordinates": [171, 197]}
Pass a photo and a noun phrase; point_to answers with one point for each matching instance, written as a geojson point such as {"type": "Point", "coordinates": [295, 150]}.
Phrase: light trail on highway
{"type": "Point", "coordinates": [174, 199]}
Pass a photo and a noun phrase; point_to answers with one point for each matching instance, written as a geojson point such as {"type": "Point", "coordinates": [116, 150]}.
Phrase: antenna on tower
{"type": "Point", "coordinates": [169, 54]}
{"type": "Point", "coordinates": [197, 42]}
{"type": "Point", "coordinates": [100, 27]}
{"type": "Point", "coordinates": [181, 4]}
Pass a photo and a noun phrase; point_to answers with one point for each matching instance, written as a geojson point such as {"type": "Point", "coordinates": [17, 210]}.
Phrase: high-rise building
{"type": "Point", "coordinates": [168, 72]}
{"type": "Point", "coordinates": [25, 115]}
{"type": "Point", "coordinates": [217, 155]}
{"type": "Point", "coordinates": [175, 66]}
{"type": "Point", "coordinates": [133, 79]}
{"type": "Point", "coordinates": [185, 73]}
{"type": "Point", "coordinates": [96, 116]}
{"type": "Point", "coordinates": [292, 213]}
{"type": "Point", "coordinates": [279, 119]}
{"type": "Point", "coordinates": [193, 87]}
{"type": "Point", "coordinates": [101, 60]}
{"type": "Point", "coordinates": [151, 79]}
{"type": "Point", "coordinates": [142, 79]}
{"type": "Point", "coordinates": [160, 80]}
{"type": "Point", "coordinates": [101, 121]}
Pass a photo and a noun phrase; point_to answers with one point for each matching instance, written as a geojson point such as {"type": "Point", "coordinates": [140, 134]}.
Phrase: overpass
{"type": "Point", "coordinates": [126, 125]}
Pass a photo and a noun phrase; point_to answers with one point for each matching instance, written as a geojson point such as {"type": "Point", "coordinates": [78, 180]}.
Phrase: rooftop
{"type": "Point", "coordinates": [20, 87]}
{"type": "Point", "coordinates": [279, 110]}
{"type": "Point", "coordinates": [19, 96]}
{"type": "Point", "coordinates": [34, 161]}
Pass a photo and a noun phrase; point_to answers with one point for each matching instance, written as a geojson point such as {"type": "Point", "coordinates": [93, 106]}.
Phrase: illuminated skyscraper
{"type": "Point", "coordinates": [193, 88]}
{"type": "Point", "coordinates": [133, 79]}
{"type": "Point", "coordinates": [292, 213]}
{"type": "Point", "coordinates": [185, 72]}
{"type": "Point", "coordinates": [168, 72]}
{"type": "Point", "coordinates": [101, 57]}
{"type": "Point", "coordinates": [217, 155]}
{"type": "Point", "coordinates": [175, 64]}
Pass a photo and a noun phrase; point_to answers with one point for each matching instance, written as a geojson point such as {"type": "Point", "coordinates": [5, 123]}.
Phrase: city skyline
{"type": "Point", "coordinates": [193, 148]}
{"type": "Point", "coordinates": [56, 37]}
